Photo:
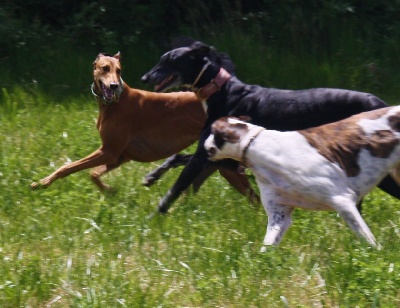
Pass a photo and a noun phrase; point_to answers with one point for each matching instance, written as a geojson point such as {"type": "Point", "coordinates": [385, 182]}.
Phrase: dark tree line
{"type": "Point", "coordinates": [134, 20]}
{"type": "Point", "coordinates": [361, 37]}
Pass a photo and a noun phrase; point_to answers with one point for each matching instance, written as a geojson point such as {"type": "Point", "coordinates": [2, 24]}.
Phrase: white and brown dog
{"type": "Point", "coordinates": [330, 167]}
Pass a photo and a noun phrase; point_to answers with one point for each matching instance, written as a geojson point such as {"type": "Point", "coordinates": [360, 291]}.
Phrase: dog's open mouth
{"type": "Point", "coordinates": [211, 153]}
{"type": "Point", "coordinates": [165, 84]}
{"type": "Point", "coordinates": [108, 93]}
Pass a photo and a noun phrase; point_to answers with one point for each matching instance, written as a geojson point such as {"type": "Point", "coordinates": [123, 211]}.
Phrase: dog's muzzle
{"type": "Point", "coordinates": [108, 95]}
{"type": "Point", "coordinates": [211, 151]}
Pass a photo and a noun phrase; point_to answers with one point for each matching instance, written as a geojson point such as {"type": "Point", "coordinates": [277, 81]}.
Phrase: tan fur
{"type": "Point", "coordinates": [142, 126]}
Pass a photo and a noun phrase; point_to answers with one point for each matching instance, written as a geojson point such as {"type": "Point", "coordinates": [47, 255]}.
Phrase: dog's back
{"type": "Point", "coordinates": [365, 146]}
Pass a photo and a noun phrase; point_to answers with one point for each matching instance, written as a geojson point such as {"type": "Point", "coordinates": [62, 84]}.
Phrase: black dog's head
{"type": "Point", "coordinates": [181, 66]}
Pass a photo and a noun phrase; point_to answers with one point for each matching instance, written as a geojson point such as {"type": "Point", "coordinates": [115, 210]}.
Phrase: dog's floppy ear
{"type": "Point", "coordinates": [224, 131]}
{"type": "Point", "coordinates": [200, 50]}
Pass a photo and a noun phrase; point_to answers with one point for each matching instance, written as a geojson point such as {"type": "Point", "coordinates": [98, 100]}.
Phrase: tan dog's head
{"type": "Point", "coordinates": [107, 77]}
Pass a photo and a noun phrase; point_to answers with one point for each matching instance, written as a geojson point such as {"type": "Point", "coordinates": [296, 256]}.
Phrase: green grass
{"type": "Point", "coordinates": [72, 246]}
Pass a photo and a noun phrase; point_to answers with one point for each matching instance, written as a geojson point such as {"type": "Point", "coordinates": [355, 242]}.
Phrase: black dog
{"type": "Point", "coordinates": [201, 68]}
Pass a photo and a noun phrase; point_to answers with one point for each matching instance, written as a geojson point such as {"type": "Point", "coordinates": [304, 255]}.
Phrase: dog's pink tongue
{"type": "Point", "coordinates": [108, 93]}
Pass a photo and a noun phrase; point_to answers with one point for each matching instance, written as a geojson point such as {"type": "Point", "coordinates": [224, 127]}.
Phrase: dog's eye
{"type": "Point", "coordinates": [219, 140]}
{"type": "Point", "coordinates": [118, 72]}
{"type": "Point", "coordinates": [168, 59]}
{"type": "Point", "coordinates": [105, 69]}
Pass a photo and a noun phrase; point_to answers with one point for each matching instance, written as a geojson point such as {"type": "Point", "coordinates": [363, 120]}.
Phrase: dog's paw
{"type": "Point", "coordinates": [149, 180]}
{"type": "Point", "coordinates": [163, 207]}
{"type": "Point", "coordinates": [165, 203]}
{"type": "Point", "coordinates": [35, 185]}
{"type": "Point", "coordinates": [263, 249]}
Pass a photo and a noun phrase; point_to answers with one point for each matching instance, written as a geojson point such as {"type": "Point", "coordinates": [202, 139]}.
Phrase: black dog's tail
{"type": "Point", "coordinates": [222, 58]}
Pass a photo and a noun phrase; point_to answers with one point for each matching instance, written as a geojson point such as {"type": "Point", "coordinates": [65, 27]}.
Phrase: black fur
{"type": "Point", "coordinates": [271, 108]}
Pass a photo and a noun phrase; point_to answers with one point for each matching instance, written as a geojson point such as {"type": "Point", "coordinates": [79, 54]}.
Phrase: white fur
{"type": "Point", "coordinates": [290, 173]}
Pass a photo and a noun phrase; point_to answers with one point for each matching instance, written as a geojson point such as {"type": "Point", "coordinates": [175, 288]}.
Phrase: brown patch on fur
{"type": "Point", "coordinates": [341, 142]}
{"type": "Point", "coordinates": [338, 143]}
{"type": "Point", "coordinates": [382, 143]}
{"type": "Point", "coordinates": [394, 122]}
{"type": "Point", "coordinates": [227, 132]}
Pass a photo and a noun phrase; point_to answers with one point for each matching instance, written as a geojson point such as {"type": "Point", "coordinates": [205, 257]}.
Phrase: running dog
{"type": "Point", "coordinates": [201, 69]}
{"type": "Point", "coordinates": [330, 167]}
{"type": "Point", "coordinates": [141, 126]}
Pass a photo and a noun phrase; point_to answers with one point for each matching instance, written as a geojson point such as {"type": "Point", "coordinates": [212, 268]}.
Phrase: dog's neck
{"type": "Point", "coordinates": [102, 100]}
{"type": "Point", "coordinates": [216, 83]}
{"type": "Point", "coordinates": [246, 141]}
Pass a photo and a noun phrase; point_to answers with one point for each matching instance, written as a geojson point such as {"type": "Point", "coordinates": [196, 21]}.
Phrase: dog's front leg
{"type": "Point", "coordinates": [279, 220]}
{"type": "Point", "coordinates": [99, 171]}
{"type": "Point", "coordinates": [279, 216]}
{"type": "Point", "coordinates": [194, 167]}
{"type": "Point", "coordinates": [95, 159]}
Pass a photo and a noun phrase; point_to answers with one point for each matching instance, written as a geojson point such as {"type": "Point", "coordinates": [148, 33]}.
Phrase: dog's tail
{"type": "Point", "coordinates": [223, 58]}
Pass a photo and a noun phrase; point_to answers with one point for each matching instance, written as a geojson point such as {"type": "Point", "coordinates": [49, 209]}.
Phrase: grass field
{"type": "Point", "coordinates": [72, 246]}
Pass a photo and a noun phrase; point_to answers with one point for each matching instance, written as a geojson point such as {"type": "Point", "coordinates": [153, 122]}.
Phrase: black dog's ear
{"type": "Point", "coordinates": [200, 50]}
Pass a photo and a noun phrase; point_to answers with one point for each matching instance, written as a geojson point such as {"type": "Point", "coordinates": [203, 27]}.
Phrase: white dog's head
{"type": "Point", "coordinates": [224, 141]}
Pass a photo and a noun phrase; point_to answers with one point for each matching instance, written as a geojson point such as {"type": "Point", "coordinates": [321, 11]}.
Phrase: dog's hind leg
{"type": "Point", "coordinates": [99, 171]}
{"type": "Point", "coordinates": [174, 161]}
{"type": "Point", "coordinates": [348, 211]}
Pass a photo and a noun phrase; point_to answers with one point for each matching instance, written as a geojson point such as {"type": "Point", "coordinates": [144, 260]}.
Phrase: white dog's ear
{"type": "Point", "coordinates": [245, 118]}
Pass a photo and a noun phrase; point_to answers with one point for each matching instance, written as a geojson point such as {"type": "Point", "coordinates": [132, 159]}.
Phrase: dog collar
{"type": "Point", "coordinates": [213, 86]}
{"type": "Point", "coordinates": [246, 141]}
{"type": "Point", "coordinates": [102, 100]}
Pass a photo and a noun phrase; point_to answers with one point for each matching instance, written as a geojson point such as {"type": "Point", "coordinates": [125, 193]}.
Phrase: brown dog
{"type": "Point", "coordinates": [141, 126]}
